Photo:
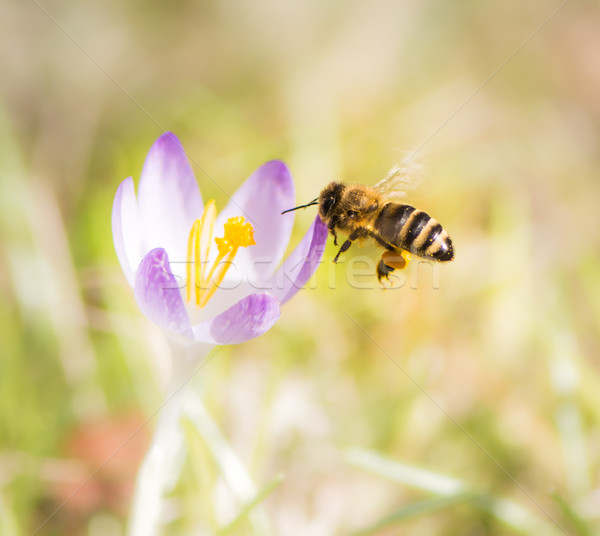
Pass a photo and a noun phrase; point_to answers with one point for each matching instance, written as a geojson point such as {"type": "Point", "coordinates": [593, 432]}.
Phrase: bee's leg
{"type": "Point", "coordinates": [383, 270]}
{"type": "Point", "coordinates": [359, 233]}
{"type": "Point", "coordinates": [331, 227]}
{"type": "Point", "coordinates": [344, 247]}
{"type": "Point", "coordinates": [390, 261]}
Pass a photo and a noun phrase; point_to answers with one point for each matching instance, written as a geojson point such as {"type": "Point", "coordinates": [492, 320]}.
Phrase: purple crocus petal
{"type": "Point", "coordinates": [157, 293]}
{"type": "Point", "coordinates": [297, 269]}
{"type": "Point", "coordinates": [168, 197]}
{"type": "Point", "coordinates": [248, 318]}
{"type": "Point", "coordinates": [126, 229]}
{"type": "Point", "coordinates": [261, 199]}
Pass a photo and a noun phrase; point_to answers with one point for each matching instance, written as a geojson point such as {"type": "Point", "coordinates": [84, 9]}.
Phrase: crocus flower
{"type": "Point", "coordinates": [210, 277]}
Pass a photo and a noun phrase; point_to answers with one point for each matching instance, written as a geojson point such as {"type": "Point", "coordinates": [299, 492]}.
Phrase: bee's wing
{"type": "Point", "coordinates": [398, 180]}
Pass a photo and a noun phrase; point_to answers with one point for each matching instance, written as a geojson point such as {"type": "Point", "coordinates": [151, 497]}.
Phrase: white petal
{"type": "Point", "coordinates": [168, 198]}
{"type": "Point", "coordinates": [126, 228]}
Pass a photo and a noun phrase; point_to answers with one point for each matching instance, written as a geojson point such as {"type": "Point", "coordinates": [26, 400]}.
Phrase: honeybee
{"type": "Point", "coordinates": [364, 212]}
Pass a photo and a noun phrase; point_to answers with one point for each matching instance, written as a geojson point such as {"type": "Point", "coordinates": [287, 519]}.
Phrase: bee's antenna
{"type": "Point", "coordinates": [313, 202]}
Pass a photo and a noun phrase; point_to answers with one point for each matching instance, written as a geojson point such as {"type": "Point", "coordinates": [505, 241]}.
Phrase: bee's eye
{"type": "Point", "coordinates": [352, 213]}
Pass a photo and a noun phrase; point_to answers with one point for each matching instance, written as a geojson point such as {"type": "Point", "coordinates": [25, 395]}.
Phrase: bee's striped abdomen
{"type": "Point", "coordinates": [413, 230]}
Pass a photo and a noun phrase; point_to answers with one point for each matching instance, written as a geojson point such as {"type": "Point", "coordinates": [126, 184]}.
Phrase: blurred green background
{"type": "Point", "coordinates": [464, 401]}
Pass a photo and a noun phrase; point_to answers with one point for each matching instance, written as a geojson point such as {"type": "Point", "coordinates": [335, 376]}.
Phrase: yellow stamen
{"type": "Point", "coordinates": [207, 226]}
{"type": "Point", "coordinates": [191, 246]}
{"type": "Point", "coordinates": [237, 233]}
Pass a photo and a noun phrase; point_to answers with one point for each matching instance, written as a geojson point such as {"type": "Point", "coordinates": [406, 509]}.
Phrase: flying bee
{"type": "Point", "coordinates": [364, 212]}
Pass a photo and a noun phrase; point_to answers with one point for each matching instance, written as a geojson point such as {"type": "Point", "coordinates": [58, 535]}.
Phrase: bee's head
{"type": "Point", "coordinates": [329, 199]}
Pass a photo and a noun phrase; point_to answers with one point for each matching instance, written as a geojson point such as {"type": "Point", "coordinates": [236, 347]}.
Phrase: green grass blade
{"type": "Point", "coordinates": [405, 474]}
{"type": "Point", "coordinates": [8, 523]}
{"type": "Point", "coordinates": [508, 512]}
{"type": "Point", "coordinates": [415, 509]}
{"type": "Point", "coordinates": [582, 528]}
{"type": "Point", "coordinates": [249, 506]}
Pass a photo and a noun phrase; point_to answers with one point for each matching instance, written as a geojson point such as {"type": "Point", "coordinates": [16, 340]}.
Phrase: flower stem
{"type": "Point", "coordinates": [160, 469]}
{"type": "Point", "coordinates": [153, 474]}
{"type": "Point", "coordinates": [232, 468]}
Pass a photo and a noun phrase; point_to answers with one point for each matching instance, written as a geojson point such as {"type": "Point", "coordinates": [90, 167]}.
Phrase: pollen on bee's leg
{"type": "Point", "coordinates": [395, 260]}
